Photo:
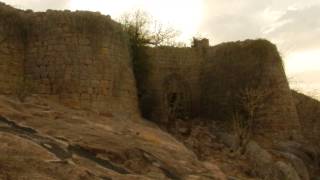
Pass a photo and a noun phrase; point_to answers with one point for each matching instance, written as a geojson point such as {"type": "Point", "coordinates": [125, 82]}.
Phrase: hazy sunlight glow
{"type": "Point", "coordinates": [183, 15]}
{"type": "Point", "coordinates": [307, 60]}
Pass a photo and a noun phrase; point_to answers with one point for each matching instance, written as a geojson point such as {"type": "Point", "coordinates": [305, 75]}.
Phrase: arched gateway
{"type": "Point", "coordinates": [176, 98]}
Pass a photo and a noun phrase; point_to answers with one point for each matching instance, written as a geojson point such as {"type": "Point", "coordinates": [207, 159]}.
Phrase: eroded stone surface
{"type": "Point", "coordinates": [61, 140]}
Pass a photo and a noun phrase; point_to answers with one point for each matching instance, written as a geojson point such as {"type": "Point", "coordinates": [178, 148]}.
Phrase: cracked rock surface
{"type": "Point", "coordinates": [41, 139]}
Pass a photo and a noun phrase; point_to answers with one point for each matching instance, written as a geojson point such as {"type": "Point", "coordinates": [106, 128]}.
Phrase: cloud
{"type": "Point", "coordinates": [307, 82]}
{"type": "Point", "coordinates": [299, 29]}
{"type": "Point", "coordinates": [289, 23]}
{"type": "Point", "coordinates": [232, 20]}
{"type": "Point", "coordinates": [293, 25]}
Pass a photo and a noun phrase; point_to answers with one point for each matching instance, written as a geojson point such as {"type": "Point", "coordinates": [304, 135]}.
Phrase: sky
{"type": "Point", "coordinates": [293, 25]}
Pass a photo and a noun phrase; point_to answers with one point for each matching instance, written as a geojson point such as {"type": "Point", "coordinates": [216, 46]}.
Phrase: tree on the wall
{"type": "Point", "coordinates": [143, 32]}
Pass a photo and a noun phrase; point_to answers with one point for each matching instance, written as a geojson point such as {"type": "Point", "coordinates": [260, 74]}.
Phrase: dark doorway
{"type": "Point", "coordinates": [177, 98]}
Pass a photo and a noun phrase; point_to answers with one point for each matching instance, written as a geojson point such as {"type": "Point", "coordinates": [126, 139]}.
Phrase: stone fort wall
{"type": "Point", "coordinates": [11, 50]}
{"type": "Point", "coordinates": [82, 58]}
{"type": "Point", "coordinates": [254, 65]}
{"type": "Point", "coordinates": [212, 78]}
{"type": "Point", "coordinates": [169, 67]}
{"type": "Point", "coordinates": [309, 113]}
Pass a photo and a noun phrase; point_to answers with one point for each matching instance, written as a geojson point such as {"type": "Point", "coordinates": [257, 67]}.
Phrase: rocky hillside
{"type": "Point", "coordinates": [41, 139]}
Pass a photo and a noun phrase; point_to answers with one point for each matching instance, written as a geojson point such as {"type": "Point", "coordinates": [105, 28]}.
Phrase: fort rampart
{"type": "Point", "coordinates": [83, 59]}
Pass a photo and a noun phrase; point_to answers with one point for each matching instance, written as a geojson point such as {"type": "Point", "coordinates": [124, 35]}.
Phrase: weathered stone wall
{"type": "Point", "coordinates": [214, 78]}
{"type": "Point", "coordinates": [11, 49]}
{"type": "Point", "coordinates": [80, 57]}
{"type": "Point", "coordinates": [309, 116]}
{"type": "Point", "coordinates": [233, 67]}
{"type": "Point", "coordinates": [180, 66]}
{"type": "Point", "coordinates": [83, 59]}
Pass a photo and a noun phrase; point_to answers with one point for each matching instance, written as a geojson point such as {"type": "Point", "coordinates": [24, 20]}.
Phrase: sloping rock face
{"type": "Point", "coordinates": [40, 139]}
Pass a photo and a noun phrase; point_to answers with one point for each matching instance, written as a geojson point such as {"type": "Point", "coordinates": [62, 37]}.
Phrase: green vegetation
{"type": "Point", "coordinates": [142, 33]}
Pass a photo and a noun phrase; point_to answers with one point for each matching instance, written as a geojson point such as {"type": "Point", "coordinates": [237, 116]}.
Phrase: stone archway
{"type": "Point", "coordinates": [176, 98]}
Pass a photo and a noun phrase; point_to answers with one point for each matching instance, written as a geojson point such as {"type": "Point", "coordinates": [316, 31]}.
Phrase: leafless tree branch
{"type": "Point", "coordinates": [144, 31]}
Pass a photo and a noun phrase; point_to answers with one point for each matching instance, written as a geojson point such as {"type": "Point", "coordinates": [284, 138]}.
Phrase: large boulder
{"type": "Point", "coordinates": [285, 171]}
{"type": "Point", "coordinates": [297, 163]}
{"type": "Point", "coordinates": [260, 159]}
{"type": "Point", "coordinates": [266, 165]}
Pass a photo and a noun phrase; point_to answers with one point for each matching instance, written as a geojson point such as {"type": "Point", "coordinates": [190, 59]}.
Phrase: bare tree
{"type": "Point", "coordinates": [136, 25]}
{"type": "Point", "coordinates": [143, 30]}
{"type": "Point", "coordinates": [249, 102]}
{"type": "Point", "coordinates": [161, 35]}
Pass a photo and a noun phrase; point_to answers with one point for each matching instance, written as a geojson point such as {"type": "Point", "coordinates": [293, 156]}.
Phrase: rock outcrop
{"type": "Point", "coordinates": [40, 139]}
